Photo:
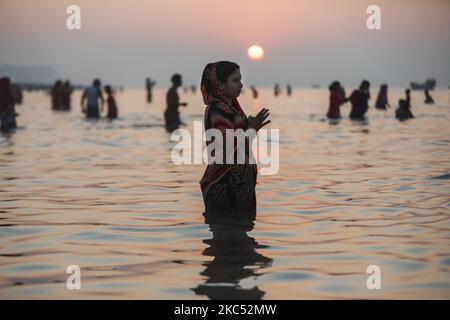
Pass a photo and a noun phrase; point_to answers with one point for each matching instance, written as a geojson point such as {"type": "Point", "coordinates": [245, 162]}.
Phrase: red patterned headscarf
{"type": "Point", "coordinates": [211, 91]}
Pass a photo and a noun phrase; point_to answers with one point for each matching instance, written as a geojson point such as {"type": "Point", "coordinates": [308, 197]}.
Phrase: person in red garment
{"type": "Point", "coordinates": [228, 189]}
{"type": "Point", "coordinates": [336, 100]}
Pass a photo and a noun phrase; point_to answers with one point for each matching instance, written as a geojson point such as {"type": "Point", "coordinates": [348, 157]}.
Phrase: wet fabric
{"type": "Point", "coordinates": [228, 189]}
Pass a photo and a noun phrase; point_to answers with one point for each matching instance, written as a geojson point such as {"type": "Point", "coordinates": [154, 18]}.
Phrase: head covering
{"type": "Point", "coordinates": [211, 91]}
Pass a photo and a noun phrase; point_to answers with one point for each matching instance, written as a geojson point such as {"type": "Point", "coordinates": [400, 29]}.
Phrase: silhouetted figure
{"type": "Point", "coordinates": [228, 189]}
{"type": "Point", "coordinates": [172, 115]}
{"type": "Point", "coordinates": [428, 98]}
{"type": "Point", "coordinates": [288, 90]}
{"type": "Point", "coordinates": [92, 95]}
{"type": "Point", "coordinates": [112, 112]}
{"type": "Point", "coordinates": [232, 256]}
{"type": "Point", "coordinates": [66, 94]}
{"type": "Point", "coordinates": [55, 94]}
{"type": "Point", "coordinates": [7, 111]}
{"type": "Point", "coordinates": [276, 89]}
{"type": "Point", "coordinates": [334, 111]}
{"type": "Point", "coordinates": [403, 111]}
{"type": "Point", "coordinates": [408, 97]}
{"type": "Point", "coordinates": [149, 84]}
{"type": "Point", "coordinates": [194, 89]}
{"type": "Point", "coordinates": [382, 99]}
{"type": "Point", "coordinates": [359, 100]}
{"type": "Point", "coordinates": [254, 92]}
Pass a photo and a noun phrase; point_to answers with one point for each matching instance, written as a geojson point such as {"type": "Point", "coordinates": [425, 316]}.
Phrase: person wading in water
{"type": "Point", "coordinates": [228, 189]}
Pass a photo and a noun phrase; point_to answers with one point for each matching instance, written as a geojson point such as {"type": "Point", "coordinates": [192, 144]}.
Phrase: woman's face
{"type": "Point", "coordinates": [233, 87]}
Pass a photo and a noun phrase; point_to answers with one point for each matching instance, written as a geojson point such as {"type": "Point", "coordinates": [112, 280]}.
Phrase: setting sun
{"type": "Point", "coordinates": [255, 52]}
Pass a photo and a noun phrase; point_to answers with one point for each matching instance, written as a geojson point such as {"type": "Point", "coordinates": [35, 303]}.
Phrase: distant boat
{"type": "Point", "coordinates": [315, 86]}
{"type": "Point", "coordinates": [429, 84]}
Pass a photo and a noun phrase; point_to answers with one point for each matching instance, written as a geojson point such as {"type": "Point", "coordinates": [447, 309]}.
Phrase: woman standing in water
{"type": "Point", "coordinates": [228, 189]}
{"type": "Point", "coordinates": [336, 99]}
{"type": "Point", "coordinates": [382, 99]}
{"type": "Point", "coordinates": [359, 100]}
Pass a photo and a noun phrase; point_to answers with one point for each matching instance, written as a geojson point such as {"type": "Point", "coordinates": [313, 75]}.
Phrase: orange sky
{"type": "Point", "coordinates": [34, 32]}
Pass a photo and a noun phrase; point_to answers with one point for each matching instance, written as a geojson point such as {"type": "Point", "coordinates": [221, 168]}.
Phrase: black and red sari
{"type": "Point", "coordinates": [228, 189]}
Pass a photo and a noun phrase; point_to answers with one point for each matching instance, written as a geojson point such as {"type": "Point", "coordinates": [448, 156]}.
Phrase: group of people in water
{"type": "Point", "coordinates": [359, 100]}
{"type": "Point", "coordinates": [277, 90]}
{"type": "Point", "coordinates": [61, 94]}
{"type": "Point", "coordinates": [92, 100]}
{"type": "Point", "coordinates": [228, 190]}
